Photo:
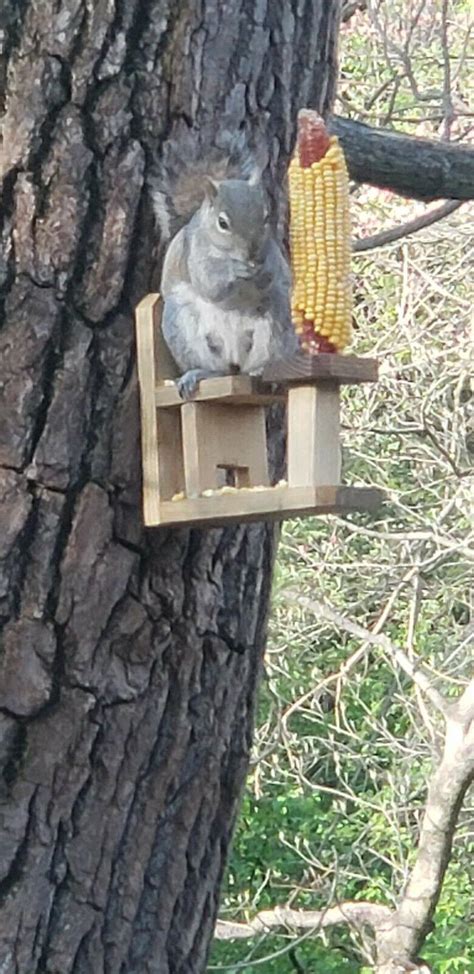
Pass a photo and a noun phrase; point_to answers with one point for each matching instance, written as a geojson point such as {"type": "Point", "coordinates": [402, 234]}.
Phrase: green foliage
{"type": "Point", "coordinates": [277, 955]}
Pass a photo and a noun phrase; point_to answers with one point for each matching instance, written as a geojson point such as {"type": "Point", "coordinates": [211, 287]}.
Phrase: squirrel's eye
{"type": "Point", "coordinates": [223, 222]}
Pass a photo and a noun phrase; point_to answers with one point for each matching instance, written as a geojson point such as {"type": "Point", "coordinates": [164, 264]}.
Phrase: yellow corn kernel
{"type": "Point", "coordinates": [320, 246]}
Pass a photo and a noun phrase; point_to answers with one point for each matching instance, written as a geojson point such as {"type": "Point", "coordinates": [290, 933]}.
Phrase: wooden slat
{"type": "Point", "coordinates": [217, 436]}
{"type": "Point", "coordinates": [170, 453]}
{"type": "Point", "coordinates": [314, 451]}
{"type": "Point", "coordinates": [272, 504]}
{"type": "Point", "coordinates": [145, 333]}
{"type": "Point", "coordinates": [346, 369]}
{"type": "Point", "coordinates": [237, 390]}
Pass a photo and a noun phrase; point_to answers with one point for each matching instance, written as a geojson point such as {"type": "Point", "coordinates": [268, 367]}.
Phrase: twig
{"type": "Point", "coordinates": [370, 102]}
{"type": "Point", "coordinates": [405, 229]}
{"type": "Point", "coordinates": [260, 961]}
{"type": "Point", "coordinates": [352, 7]}
{"type": "Point", "coordinates": [448, 107]}
{"type": "Point", "coordinates": [352, 660]}
{"type": "Point", "coordinates": [388, 116]}
{"type": "Point", "coordinates": [446, 792]}
{"type": "Point", "coordinates": [445, 453]}
{"type": "Point", "coordinates": [320, 609]}
{"type": "Point", "coordinates": [401, 537]}
{"type": "Point", "coordinates": [361, 651]}
{"type": "Point", "coordinates": [296, 963]}
{"type": "Point", "coordinates": [464, 53]}
{"type": "Point", "coordinates": [414, 612]}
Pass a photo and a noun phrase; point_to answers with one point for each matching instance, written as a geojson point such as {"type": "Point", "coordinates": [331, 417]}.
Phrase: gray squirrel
{"type": "Point", "coordinates": [225, 281]}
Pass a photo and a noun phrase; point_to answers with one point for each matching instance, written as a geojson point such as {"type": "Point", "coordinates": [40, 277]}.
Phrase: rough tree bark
{"type": "Point", "coordinates": [130, 659]}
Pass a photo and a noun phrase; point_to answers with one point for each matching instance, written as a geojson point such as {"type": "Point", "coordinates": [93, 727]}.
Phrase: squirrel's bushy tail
{"type": "Point", "coordinates": [177, 182]}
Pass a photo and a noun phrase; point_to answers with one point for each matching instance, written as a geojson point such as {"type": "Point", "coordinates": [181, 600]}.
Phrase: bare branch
{"type": "Point", "coordinates": [418, 168]}
{"type": "Point", "coordinates": [448, 107]}
{"type": "Point", "coordinates": [463, 709]}
{"type": "Point", "coordinates": [351, 660]}
{"type": "Point", "coordinates": [446, 792]}
{"type": "Point", "coordinates": [370, 102]}
{"type": "Point", "coordinates": [320, 609]}
{"type": "Point", "coordinates": [405, 229]}
{"type": "Point", "coordinates": [351, 7]}
{"type": "Point", "coordinates": [282, 919]}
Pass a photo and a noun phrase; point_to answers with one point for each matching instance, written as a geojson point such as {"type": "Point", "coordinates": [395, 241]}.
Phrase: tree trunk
{"type": "Point", "coordinates": [130, 658]}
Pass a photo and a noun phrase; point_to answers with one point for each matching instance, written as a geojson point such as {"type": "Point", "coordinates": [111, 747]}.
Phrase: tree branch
{"type": "Point", "coordinates": [402, 937]}
{"type": "Point", "coordinates": [448, 107]}
{"type": "Point", "coordinates": [463, 708]}
{"type": "Point", "coordinates": [405, 229]}
{"type": "Point", "coordinates": [412, 922]}
{"type": "Point", "coordinates": [281, 919]}
{"type": "Point", "coordinates": [351, 7]}
{"type": "Point", "coordinates": [417, 168]}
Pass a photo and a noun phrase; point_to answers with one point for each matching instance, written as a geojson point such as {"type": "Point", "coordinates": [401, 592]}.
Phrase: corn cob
{"type": "Point", "coordinates": [320, 245]}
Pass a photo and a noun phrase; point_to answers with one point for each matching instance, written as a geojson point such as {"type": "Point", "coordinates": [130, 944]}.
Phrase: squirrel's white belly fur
{"type": "Point", "coordinates": [216, 338]}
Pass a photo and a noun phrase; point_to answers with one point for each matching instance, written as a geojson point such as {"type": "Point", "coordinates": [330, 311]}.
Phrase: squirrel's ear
{"type": "Point", "coordinates": [210, 188]}
{"type": "Point", "coordinates": [255, 177]}
{"type": "Point", "coordinates": [260, 157]}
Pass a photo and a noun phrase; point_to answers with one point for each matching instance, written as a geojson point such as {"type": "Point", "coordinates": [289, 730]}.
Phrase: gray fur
{"type": "Point", "coordinates": [177, 183]}
{"type": "Point", "coordinates": [226, 288]}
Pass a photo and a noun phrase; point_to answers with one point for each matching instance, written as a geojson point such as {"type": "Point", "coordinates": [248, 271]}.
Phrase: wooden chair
{"type": "Point", "coordinates": [205, 461]}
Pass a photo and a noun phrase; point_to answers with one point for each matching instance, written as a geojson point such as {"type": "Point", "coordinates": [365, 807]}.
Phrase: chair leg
{"type": "Point", "coordinates": [314, 450]}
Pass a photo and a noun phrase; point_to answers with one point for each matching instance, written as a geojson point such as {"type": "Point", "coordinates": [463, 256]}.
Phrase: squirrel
{"type": "Point", "coordinates": [225, 281]}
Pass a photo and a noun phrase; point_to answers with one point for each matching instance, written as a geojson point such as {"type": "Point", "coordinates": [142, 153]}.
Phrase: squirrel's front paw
{"type": "Point", "coordinates": [243, 270]}
{"type": "Point", "coordinates": [188, 383]}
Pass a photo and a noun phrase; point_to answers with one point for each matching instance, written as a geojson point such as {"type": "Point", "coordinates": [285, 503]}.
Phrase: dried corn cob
{"type": "Point", "coordinates": [320, 238]}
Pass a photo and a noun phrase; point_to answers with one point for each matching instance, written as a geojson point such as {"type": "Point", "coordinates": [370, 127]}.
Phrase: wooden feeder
{"type": "Point", "coordinates": [205, 461]}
